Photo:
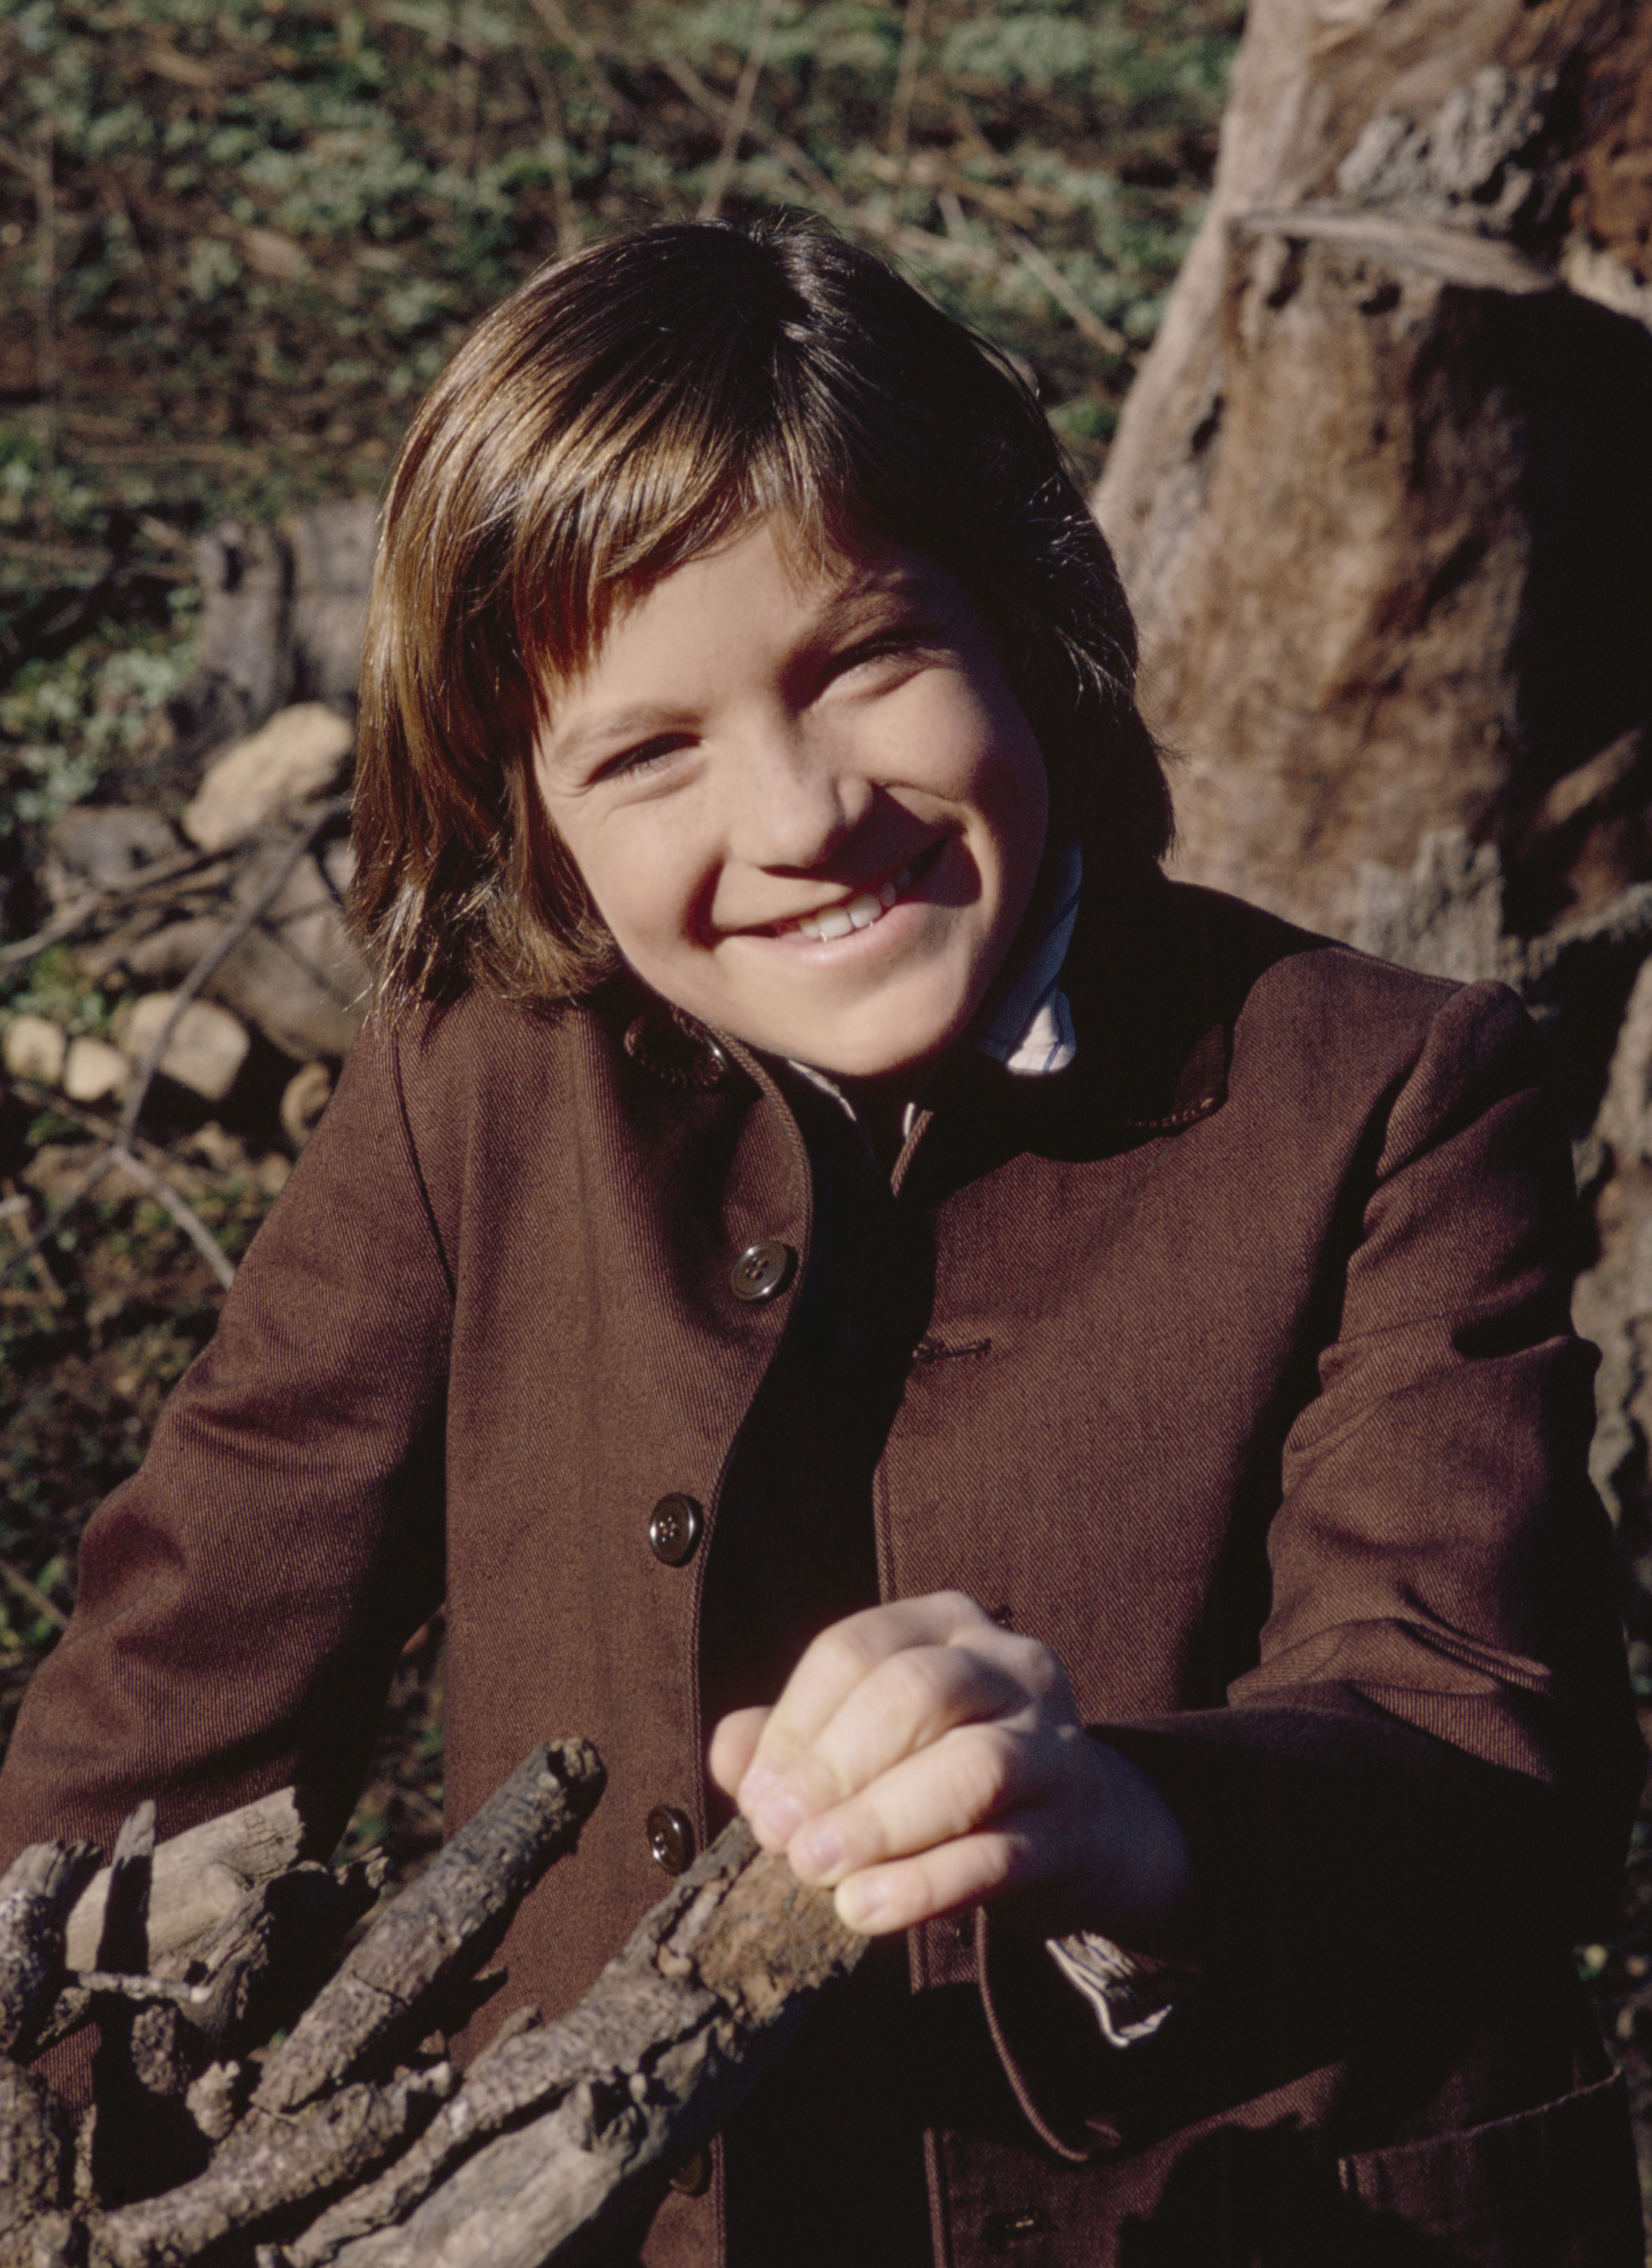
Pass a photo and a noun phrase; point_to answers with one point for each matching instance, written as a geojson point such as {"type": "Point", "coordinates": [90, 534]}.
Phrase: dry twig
{"type": "Point", "coordinates": [1085, 320]}
{"type": "Point", "coordinates": [738, 112]}
{"type": "Point", "coordinates": [906, 79]}
{"type": "Point", "coordinates": [31, 1595]}
{"type": "Point", "coordinates": [75, 916]}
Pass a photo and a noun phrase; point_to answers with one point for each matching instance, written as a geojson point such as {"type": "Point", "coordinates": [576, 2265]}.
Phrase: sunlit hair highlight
{"type": "Point", "coordinates": [622, 413]}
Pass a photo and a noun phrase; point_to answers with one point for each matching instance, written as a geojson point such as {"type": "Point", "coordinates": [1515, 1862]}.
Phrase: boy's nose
{"type": "Point", "coordinates": [792, 807]}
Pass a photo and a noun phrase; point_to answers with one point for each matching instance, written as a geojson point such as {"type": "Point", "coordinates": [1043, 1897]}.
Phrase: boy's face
{"type": "Point", "coordinates": [807, 803]}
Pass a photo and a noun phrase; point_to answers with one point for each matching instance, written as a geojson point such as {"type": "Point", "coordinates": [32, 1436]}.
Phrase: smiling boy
{"type": "Point", "coordinates": [1086, 1501]}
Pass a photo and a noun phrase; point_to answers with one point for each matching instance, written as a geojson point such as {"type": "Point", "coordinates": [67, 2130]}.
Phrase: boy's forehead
{"type": "Point", "coordinates": [836, 579]}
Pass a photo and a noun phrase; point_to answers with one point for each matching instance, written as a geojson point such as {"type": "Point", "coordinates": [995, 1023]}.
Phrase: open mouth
{"type": "Point", "coordinates": [858, 912]}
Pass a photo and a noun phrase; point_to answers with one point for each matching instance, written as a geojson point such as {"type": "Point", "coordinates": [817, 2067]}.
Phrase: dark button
{"type": "Point", "coordinates": [670, 1838]}
{"type": "Point", "coordinates": [762, 1269]}
{"type": "Point", "coordinates": [677, 1051]}
{"type": "Point", "coordinates": [695, 2178]}
{"type": "Point", "coordinates": [674, 1530]}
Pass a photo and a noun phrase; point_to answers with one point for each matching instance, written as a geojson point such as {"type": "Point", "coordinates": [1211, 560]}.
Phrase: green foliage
{"type": "Point", "coordinates": [55, 986]}
{"type": "Point", "coordinates": [268, 222]}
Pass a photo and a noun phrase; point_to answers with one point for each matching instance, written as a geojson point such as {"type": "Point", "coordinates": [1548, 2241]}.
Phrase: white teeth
{"type": "Point", "coordinates": [859, 913]}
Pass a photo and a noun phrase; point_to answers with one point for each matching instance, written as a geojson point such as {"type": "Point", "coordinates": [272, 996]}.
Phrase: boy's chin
{"type": "Point", "coordinates": [861, 1059]}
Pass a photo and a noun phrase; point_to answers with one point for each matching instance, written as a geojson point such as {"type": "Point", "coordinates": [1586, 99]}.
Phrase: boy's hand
{"type": "Point", "coordinates": [921, 1758]}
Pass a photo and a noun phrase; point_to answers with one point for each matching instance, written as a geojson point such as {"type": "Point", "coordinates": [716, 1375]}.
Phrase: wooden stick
{"type": "Point", "coordinates": [198, 1877]}
{"type": "Point", "coordinates": [181, 1211]}
{"type": "Point", "coordinates": [36, 1893]}
{"type": "Point", "coordinates": [31, 1592]}
{"type": "Point", "coordinates": [36, 2147]}
{"type": "Point", "coordinates": [268, 2165]}
{"type": "Point", "coordinates": [1086, 320]}
{"type": "Point", "coordinates": [441, 1929]}
{"type": "Point", "coordinates": [676, 2032]}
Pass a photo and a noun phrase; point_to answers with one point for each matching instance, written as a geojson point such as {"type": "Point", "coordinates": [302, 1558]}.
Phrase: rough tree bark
{"type": "Point", "coordinates": [1382, 492]}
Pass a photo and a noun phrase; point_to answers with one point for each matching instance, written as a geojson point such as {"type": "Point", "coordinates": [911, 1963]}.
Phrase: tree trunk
{"type": "Point", "coordinates": [1382, 493]}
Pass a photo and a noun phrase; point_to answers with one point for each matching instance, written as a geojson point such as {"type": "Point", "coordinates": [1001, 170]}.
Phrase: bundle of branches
{"type": "Point", "coordinates": [354, 2140]}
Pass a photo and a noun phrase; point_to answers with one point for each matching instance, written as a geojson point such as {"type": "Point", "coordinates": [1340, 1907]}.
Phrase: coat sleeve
{"type": "Point", "coordinates": [242, 1598]}
{"type": "Point", "coordinates": [1422, 1789]}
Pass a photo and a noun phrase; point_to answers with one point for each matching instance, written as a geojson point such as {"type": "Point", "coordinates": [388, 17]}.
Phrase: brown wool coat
{"type": "Point", "coordinates": [1232, 1363]}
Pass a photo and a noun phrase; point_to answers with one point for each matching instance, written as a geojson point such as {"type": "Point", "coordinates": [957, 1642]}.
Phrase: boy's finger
{"type": "Point", "coordinates": [963, 1784]}
{"type": "Point", "coordinates": [732, 1745]}
{"type": "Point", "coordinates": [880, 1900]}
{"type": "Point", "coordinates": [841, 1659]}
{"type": "Point", "coordinates": [907, 1705]}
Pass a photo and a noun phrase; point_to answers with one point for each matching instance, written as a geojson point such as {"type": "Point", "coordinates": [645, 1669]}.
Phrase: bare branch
{"type": "Point", "coordinates": [181, 1211]}
{"type": "Point", "coordinates": [80, 910]}
{"type": "Point", "coordinates": [906, 79]}
{"type": "Point", "coordinates": [63, 924]}
{"type": "Point", "coordinates": [739, 111]}
{"type": "Point", "coordinates": [31, 1595]}
{"type": "Point", "coordinates": [1086, 320]}
{"type": "Point", "coordinates": [566, 33]}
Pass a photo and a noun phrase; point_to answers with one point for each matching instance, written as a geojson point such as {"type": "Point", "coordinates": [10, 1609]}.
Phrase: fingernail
{"type": "Point", "coordinates": [820, 1851]}
{"type": "Point", "coordinates": [755, 1786]}
{"type": "Point", "coordinates": [860, 1901]}
{"type": "Point", "coordinates": [779, 1818]}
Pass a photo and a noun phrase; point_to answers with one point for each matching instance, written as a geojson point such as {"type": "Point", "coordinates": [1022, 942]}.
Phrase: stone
{"type": "Point", "coordinates": [305, 1097]}
{"type": "Point", "coordinates": [332, 548]}
{"type": "Point", "coordinates": [105, 845]}
{"type": "Point", "coordinates": [167, 955]}
{"type": "Point", "coordinates": [272, 1172]}
{"type": "Point", "coordinates": [299, 754]}
{"type": "Point", "coordinates": [93, 1071]}
{"type": "Point", "coordinates": [1444, 916]}
{"type": "Point", "coordinates": [205, 1052]}
{"type": "Point", "coordinates": [35, 1047]}
{"type": "Point", "coordinates": [298, 976]}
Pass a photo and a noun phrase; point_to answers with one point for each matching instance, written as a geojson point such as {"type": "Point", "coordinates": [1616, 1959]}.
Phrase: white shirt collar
{"type": "Point", "coordinates": [1031, 1033]}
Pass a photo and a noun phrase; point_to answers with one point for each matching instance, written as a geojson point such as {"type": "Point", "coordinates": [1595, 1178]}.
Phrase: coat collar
{"type": "Point", "coordinates": [1152, 1030]}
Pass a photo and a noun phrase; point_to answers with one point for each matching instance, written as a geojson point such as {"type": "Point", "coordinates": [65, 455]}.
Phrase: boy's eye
{"type": "Point", "coordinates": [895, 644]}
{"type": "Point", "coordinates": [647, 756]}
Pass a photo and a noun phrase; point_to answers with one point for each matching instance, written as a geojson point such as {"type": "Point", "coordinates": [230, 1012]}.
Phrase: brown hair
{"type": "Point", "coordinates": [622, 412]}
